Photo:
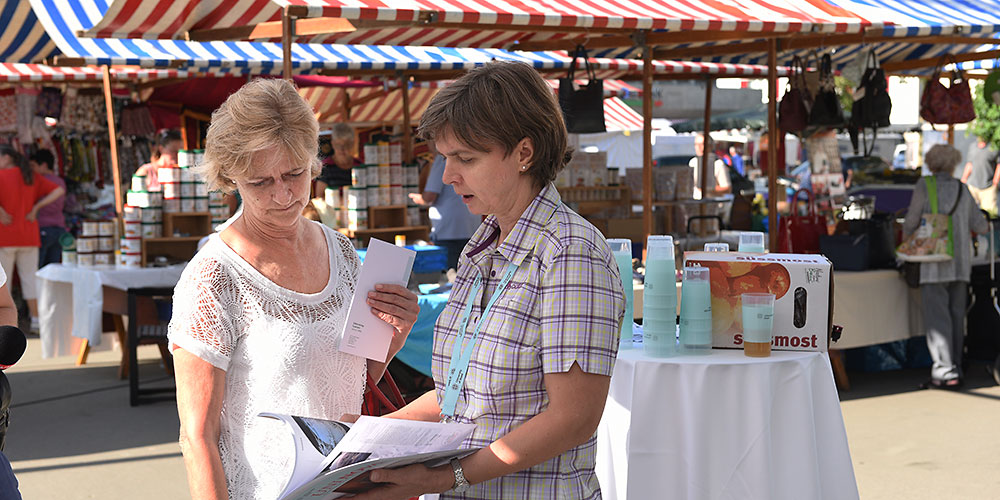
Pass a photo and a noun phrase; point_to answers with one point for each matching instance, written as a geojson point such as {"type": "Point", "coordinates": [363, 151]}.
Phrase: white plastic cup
{"type": "Point", "coordinates": [622, 249]}
{"type": "Point", "coordinates": [758, 324]}
{"type": "Point", "coordinates": [716, 247]}
{"type": "Point", "coordinates": [752, 242]}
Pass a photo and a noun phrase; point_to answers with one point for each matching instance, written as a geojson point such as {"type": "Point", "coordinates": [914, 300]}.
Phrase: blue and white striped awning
{"type": "Point", "coordinates": [23, 39]}
{"type": "Point", "coordinates": [63, 19]}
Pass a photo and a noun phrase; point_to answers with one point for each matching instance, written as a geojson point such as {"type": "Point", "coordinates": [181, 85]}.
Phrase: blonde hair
{"type": "Point", "coordinates": [262, 115]}
{"type": "Point", "coordinates": [942, 158]}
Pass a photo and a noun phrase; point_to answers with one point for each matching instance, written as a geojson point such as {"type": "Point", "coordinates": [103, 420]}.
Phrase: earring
{"type": "Point", "coordinates": [524, 167]}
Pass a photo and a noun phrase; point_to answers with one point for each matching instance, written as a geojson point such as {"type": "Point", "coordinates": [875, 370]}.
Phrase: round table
{"type": "Point", "coordinates": [724, 426]}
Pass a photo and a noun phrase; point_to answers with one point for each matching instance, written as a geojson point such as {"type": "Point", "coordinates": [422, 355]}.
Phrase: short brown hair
{"type": "Point", "coordinates": [942, 158]}
{"type": "Point", "coordinates": [498, 105]}
{"type": "Point", "coordinates": [262, 115]}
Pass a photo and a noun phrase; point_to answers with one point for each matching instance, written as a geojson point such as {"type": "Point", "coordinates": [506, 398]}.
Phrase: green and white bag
{"type": "Point", "coordinates": [934, 239]}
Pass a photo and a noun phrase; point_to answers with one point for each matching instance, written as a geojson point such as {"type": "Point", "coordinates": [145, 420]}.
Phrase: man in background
{"type": "Point", "coordinates": [51, 221]}
{"type": "Point", "coordinates": [718, 181]}
{"type": "Point", "coordinates": [337, 165]}
{"type": "Point", "coordinates": [451, 222]}
{"type": "Point", "coordinates": [981, 174]}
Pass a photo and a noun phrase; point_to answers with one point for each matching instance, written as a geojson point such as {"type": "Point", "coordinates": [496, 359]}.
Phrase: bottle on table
{"type": "Point", "coordinates": [716, 247]}
{"type": "Point", "coordinates": [696, 311]}
{"type": "Point", "coordinates": [659, 298]}
{"type": "Point", "coordinates": [622, 249]}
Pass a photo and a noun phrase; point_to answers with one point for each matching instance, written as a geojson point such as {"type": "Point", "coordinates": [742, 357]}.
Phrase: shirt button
{"type": "Point", "coordinates": [493, 274]}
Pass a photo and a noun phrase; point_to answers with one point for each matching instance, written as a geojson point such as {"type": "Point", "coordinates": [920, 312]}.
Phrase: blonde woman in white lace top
{"type": "Point", "coordinates": [259, 311]}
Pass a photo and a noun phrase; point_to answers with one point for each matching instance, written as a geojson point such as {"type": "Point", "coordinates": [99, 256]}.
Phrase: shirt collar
{"type": "Point", "coordinates": [521, 240]}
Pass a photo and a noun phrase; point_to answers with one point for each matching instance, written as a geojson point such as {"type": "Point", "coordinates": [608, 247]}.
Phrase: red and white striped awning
{"type": "Point", "coordinates": [619, 117]}
{"type": "Point", "coordinates": [467, 23]}
{"type": "Point", "coordinates": [612, 88]}
{"type": "Point", "coordinates": [12, 72]}
{"type": "Point", "coordinates": [385, 105]}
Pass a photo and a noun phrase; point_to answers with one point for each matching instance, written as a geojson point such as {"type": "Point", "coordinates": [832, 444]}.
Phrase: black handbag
{"type": "Point", "coordinates": [826, 111]}
{"type": "Point", "coordinates": [583, 106]}
{"type": "Point", "coordinates": [872, 105]}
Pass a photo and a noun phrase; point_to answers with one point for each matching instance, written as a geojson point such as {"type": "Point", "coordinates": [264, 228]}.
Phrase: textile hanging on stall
{"type": "Point", "coordinates": [8, 111]}
{"type": "Point", "coordinates": [84, 111]}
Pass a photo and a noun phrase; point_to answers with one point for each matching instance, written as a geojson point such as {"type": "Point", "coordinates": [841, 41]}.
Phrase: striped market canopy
{"type": "Point", "coordinates": [23, 40]}
{"type": "Point", "coordinates": [916, 34]}
{"type": "Point", "coordinates": [18, 72]}
{"type": "Point", "coordinates": [62, 20]}
{"type": "Point", "coordinates": [385, 105]}
{"type": "Point", "coordinates": [467, 23]}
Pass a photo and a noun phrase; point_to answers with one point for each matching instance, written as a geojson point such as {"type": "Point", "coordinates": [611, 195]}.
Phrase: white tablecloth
{"type": "Point", "coordinates": [874, 307]}
{"type": "Point", "coordinates": [724, 427]}
{"type": "Point", "coordinates": [70, 300]}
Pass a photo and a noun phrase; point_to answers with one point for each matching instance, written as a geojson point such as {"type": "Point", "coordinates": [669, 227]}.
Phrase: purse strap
{"type": "Point", "coordinates": [810, 204]}
{"type": "Point", "coordinates": [581, 51]}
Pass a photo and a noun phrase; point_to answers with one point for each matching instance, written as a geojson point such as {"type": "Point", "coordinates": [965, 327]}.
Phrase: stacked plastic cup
{"type": "Point", "coordinates": [659, 298]}
{"type": "Point", "coordinates": [622, 249]}
{"type": "Point", "coordinates": [716, 247]}
{"type": "Point", "coordinates": [696, 311]}
{"type": "Point", "coordinates": [752, 242]}
{"type": "Point", "coordinates": [758, 324]}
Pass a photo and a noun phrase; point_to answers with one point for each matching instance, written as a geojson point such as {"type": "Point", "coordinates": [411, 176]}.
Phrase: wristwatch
{"type": "Point", "coordinates": [461, 484]}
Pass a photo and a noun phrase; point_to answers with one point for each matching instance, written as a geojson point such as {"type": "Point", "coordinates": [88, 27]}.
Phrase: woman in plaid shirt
{"type": "Point", "coordinates": [537, 296]}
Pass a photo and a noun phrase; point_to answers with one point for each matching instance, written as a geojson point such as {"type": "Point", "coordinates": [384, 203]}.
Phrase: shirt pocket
{"type": "Point", "coordinates": [513, 342]}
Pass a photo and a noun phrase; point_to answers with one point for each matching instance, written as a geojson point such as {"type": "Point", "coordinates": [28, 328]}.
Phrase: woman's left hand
{"type": "Point", "coordinates": [407, 482]}
{"type": "Point", "coordinates": [397, 306]}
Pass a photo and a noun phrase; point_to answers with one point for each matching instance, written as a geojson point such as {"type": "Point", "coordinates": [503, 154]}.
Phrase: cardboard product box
{"type": "Point", "coordinates": [803, 290]}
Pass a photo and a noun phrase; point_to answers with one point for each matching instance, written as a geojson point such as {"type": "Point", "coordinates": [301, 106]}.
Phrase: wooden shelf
{"type": "Point", "coordinates": [388, 207]}
{"type": "Point", "coordinates": [417, 231]}
{"type": "Point", "coordinates": [174, 249]}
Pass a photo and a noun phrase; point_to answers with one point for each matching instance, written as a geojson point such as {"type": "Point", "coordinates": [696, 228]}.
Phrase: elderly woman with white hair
{"type": "Point", "coordinates": [944, 285]}
{"type": "Point", "coordinates": [259, 311]}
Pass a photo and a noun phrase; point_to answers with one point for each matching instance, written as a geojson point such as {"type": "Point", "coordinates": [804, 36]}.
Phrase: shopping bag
{"type": "Point", "coordinates": [933, 240]}
{"type": "Point", "coordinates": [582, 106]}
{"type": "Point", "coordinates": [947, 105]}
{"type": "Point", "coordinates": [382, 400]}
{"type": "Point", "coordinates": [826, 110]}
{"type": "Point", "coordinates": [793, 110]}
{"type": "Point", "coordinates": [872, 105]}
{"type": "Point", "coordinates": [801, 233]}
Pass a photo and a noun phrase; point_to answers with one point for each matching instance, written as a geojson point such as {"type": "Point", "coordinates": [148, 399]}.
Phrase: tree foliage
{"type": "Point", "coordinates": [987, 122]}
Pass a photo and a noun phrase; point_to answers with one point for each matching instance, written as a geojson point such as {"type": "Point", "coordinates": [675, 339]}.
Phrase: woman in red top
{"type": "Point", "coordinates": [22, 194]}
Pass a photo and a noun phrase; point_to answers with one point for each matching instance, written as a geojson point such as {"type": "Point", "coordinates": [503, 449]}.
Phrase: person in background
{"type": "Point", "coordinates": [452, 224]}
{"type": "Point", "coordinates": [538, 373]}
{"type": "Point", "coordinates": [981, 174]}
{"type": "Point", "coordinates": [259, 312]}
{"type": "Point", "coordinates": [718, 183]}
{"type": "Point", "coordinates": [22, 195]}
{"type": "Point", "coordinates": [8, 317]}
{"type": "Point", "coordinates": [337, 167]}
{"type": "Point", "coordinates": [944, 286]}
{"type": "Point", "coordinates": [735, 159]}
{"type": "Point", "coordinates": [51, 221]}
{"type": "Point", "coordinates": [168, 143]}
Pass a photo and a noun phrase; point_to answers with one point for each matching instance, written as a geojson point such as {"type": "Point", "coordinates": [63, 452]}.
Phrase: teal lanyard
{"type": "Point", "coordinates": [461, 352]}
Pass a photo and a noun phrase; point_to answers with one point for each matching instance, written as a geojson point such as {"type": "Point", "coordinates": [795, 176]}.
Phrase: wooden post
{"type": "Point", "coordinates": [407, 134]}
{"type": "Point", "coordinates": [113, 137]}
{"type": "Point", "coordinates": [347, 105]}
{"type": "Point", "coordinates": [185, 140]}
{"type": "Point", "coordinates": [647, 141]}
{"type": "Point", "coordinates": [706, 170]}
{"type": "Point", "coordinates": [951, 134]}
{"type": "Point", "coordinates": [287, 28]}
{"type": "Point", "coordinates": [772, 143]}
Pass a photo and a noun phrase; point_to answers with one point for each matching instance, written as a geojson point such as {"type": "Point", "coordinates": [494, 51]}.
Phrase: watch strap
{"type": "Point", "coordinates": [461, 484]}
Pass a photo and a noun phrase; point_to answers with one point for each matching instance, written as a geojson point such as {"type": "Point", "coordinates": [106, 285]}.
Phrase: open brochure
{"type": "Point", "coordinates": [333, 459]}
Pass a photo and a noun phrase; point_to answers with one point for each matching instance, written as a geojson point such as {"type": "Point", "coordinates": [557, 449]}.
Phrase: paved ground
{"type": "Point", "coordinates": [74, 436]}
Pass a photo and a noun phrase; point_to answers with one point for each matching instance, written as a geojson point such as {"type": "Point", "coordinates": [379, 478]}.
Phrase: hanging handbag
{"type": "Point", "coordinates": [872, 105]}
{"type": "Point", "coordinates": [812, 80]}
{"type": "Point", "coordinates": [947, 105]}
{"type": "Point", "coordinates": [582, 106]}
{"type": "Point", "coordinates": [49, 103]}
{"type": "Point", "coordinates": [793, 110]}
{"type": "Point", "coordinates": [934, 239]}
{"type": "Point", "coordinates": [376, 401]}
{"type": "Point", "coordinates": [826, 110]}
{"type": "Point", "coordinates": [801, 233]}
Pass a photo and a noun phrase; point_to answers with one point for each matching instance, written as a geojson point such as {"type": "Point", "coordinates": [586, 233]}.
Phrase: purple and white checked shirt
{"type": "Point", "coordinates": [564, 304]}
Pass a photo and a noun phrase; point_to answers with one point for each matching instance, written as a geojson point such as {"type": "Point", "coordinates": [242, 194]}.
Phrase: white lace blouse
{"type": "Point", "coordinates": [279, 349]}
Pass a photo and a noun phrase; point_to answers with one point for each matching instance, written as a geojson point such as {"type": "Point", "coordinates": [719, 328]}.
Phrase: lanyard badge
{"type": "Point", "coordinates": [461, 353]}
